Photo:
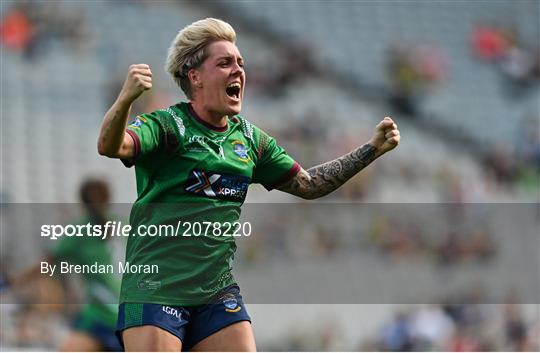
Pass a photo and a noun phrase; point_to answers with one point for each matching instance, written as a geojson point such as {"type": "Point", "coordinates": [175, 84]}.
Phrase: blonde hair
{"type": "Point", "coordinates": [188, 49]}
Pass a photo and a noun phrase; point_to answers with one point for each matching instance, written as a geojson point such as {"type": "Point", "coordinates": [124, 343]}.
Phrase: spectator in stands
{"type": "Point", "coordinates": [16, 30]}
{"type": "Point", "coordinates": [515, 328]}
{"type": "Point", "coordinates": [298, 63]}
{"type": "Point", "coordinates": [534, 334]}
{"type": "Point", "coordinates": [404, 82]}
{"type": "Point", "coordinates": [450, 251]}
{"type": "Point", "coordinates": [520, 70]}
{"type": "Point", "coordinates": [396, 336]}
{"type": "Point", "coordinates": [489, 42]}
{"type": "Point", "coordinates": [500, 162]}
{"type": "Point", "coordinates": [528, 157]}
{"type": "Point", "coordinates": [516, 61]}
{"type": "Point", "coordinates": [529, 146]}
{"type": "Point", "coordinates": [463, 341]}
{"type": "Point", "coordinates": [30, 27]}
{"type": "Point", "coordinates": [412, 71]}
{"type": "Point", "coordinates": [291, 65]}
{"type": "Point", "coordinates": [431, 328]}
{"type": "Point", "coordinates": [480, 245]}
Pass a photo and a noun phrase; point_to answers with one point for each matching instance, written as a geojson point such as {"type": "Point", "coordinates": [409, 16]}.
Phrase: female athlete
{"type": "Point", "coordinates": [194, 162]}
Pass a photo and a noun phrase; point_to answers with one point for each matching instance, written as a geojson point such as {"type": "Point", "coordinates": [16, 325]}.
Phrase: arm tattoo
{"type": "Point", "coordinates": [325, 178]}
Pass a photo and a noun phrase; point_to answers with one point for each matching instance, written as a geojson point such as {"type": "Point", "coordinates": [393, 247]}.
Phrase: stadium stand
{"type": "Point", "coordinates": [54, 96]}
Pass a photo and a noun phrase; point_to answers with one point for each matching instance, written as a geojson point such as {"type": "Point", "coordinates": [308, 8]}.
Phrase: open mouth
{"type": "Point", "coordinates": [233, 90]}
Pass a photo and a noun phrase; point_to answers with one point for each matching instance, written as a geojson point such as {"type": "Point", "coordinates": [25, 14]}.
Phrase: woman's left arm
{"type": "Point", "coordinates": [321, 180]}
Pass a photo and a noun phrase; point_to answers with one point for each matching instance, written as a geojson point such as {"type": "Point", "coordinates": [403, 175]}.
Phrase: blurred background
{"type": "Point", "coordinates": [461, 79]}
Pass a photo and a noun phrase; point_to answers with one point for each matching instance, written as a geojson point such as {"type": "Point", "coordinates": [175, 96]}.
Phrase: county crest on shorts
{"type": "Point", "coordinates": [231, 304]}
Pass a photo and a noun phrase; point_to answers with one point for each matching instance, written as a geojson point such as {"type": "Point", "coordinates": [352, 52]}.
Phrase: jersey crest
{"type": "Point", "coordinates": [241, 151]}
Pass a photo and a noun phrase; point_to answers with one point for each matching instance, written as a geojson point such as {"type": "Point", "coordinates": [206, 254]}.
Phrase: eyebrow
{"type": "Point", "coordinates": [229, 57]}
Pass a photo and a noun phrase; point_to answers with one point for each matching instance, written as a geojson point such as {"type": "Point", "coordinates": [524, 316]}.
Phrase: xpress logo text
{"type": "Point", "coordinates": [220, 186]}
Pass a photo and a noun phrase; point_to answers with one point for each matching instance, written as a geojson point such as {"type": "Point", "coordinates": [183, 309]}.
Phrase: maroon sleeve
{"type": "Point", "coordinates": [291, 173]}
{"type": "Point", "coordinates": [137, 146]}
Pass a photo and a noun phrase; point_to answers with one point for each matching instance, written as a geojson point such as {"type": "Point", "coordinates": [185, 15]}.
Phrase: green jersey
{"type": "Point", "coordinates": [101, 288]}
{"type": "Point", "coordinates": [191, 172]}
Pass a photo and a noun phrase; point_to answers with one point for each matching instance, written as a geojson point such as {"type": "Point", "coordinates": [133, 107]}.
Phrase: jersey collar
{"type": "Point", "coordinates": [195, 116]}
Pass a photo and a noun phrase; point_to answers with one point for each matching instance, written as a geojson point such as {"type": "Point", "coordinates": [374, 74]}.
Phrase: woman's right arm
{"type": "Point", "coordinates": [113, 140]}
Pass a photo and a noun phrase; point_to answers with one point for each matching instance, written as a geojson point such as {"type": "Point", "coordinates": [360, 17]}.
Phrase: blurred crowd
{"type": "Point", "coordinates": [450, 240]}
{"type": "Point", "coordinates": [517, 167]}
{"type": "Point", "coordinates": [508, 169]}
{"type": "Point", "coordinates": [451, 327]}
{"type": "Point", "coordinates": [413, 71]}
{"type": "Point", "coordinates": [517, 61]}
{"type": "Point", "coordinates": [293, 63]}
{"type": "Point", "coordinates": [407, 240]}
{"type": "Point", "coordinates": [32, 28]}
{"type": "Point", "coordinates": [30, 323]}
{"type": "Point", "coordinates": [458, 328]}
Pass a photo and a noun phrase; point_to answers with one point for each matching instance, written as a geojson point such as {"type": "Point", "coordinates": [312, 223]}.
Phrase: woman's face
{"type": "Point", "coordinates": [219, 81]}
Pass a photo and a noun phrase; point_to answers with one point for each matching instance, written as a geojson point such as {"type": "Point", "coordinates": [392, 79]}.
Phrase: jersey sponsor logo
{"type": "Point", "coordinates": [231, 304]}
{"type": "Point", "coordinates": [197, 143]}
{"type": "Point", "coordinates": [149, 284]}
{"type": "Point", "coordinates": [219, 186]}
{"type": "Point", "coordinates": [172, 311]}
{"type": "Point", "coordinates": [197, 139]}
{"type": "Point", "coordinates": [241, 151]}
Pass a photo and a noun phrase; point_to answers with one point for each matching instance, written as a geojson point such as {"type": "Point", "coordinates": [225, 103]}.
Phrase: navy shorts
{"type": "Point", "coordinates": [191, 324]}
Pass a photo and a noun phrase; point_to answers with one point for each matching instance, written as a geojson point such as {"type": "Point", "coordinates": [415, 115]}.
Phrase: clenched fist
{"type": "Point", "coordinates": [138, 80]}
{"type": "Point", "coordinates": [386, 136]}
